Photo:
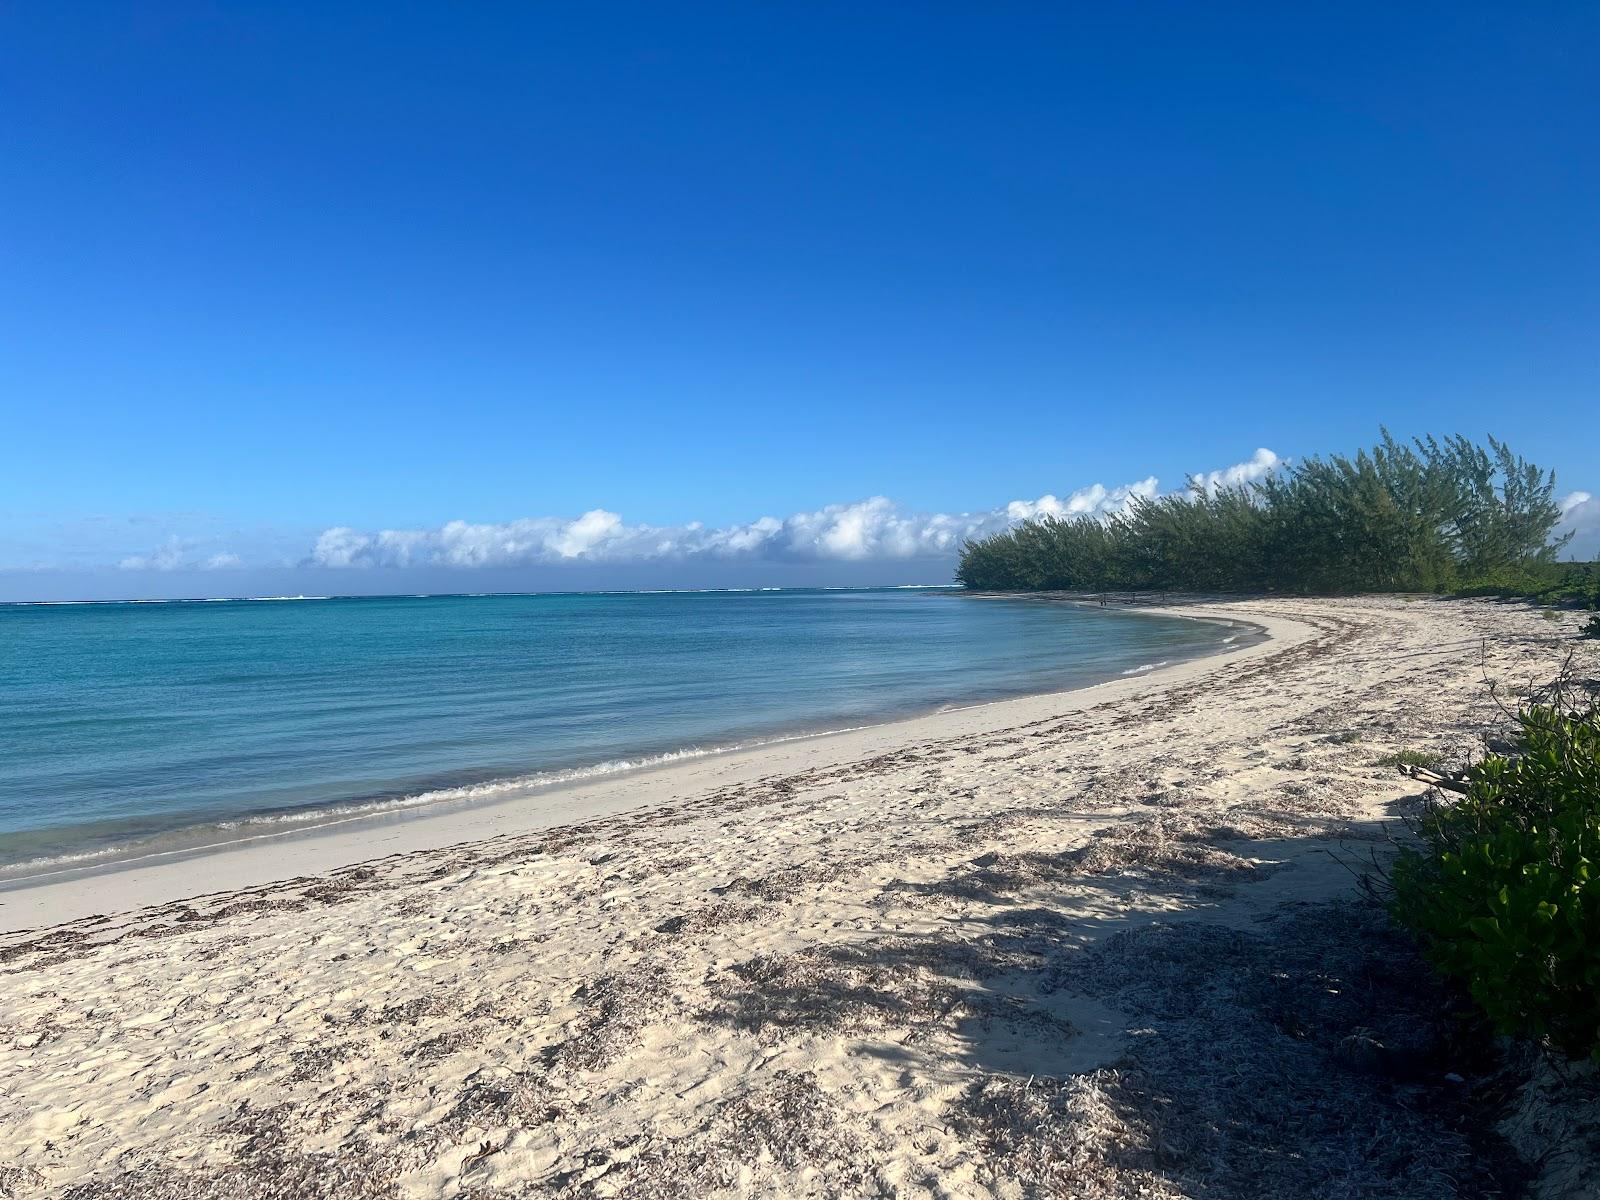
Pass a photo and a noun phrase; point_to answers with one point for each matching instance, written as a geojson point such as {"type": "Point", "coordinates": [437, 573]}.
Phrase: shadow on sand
{"type": "Point", "coordinates": [1283, 1049]}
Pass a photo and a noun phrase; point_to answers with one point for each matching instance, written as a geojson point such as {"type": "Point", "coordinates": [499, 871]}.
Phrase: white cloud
{"type": "Point", "coordinates": [167, 557]}
{"type": "Point", "coordinates": [1257, 466]}
{"type": "Point", "coordinates": [179, 554]}
{"type": "Point", "coordinates": [1093, 500]}
{"type": "Point", "coordinates": [1580, 516]}
{"type": "Point", "coordinates": [875, 528]}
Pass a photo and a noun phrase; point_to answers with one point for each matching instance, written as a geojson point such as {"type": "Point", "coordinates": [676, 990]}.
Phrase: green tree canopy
{"type": "Point", "coordinates": [1419, 516]}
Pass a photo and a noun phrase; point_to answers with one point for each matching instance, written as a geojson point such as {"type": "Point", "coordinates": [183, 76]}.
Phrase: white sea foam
{"type": "Point", "coordinates": [1143, 667]}
{"type": "Point", "coordinates": [256, 826]}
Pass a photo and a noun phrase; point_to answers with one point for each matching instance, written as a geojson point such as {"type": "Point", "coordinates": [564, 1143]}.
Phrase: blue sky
{"type": "Point", "coordinates": [277, 279]}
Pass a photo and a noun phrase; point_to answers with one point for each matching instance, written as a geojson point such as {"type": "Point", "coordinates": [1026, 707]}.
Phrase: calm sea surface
{"type": "Point", "coordinates": [126, 728]}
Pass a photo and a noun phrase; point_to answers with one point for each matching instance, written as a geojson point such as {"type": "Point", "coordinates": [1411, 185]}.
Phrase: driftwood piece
{"type": "Point", "coordinates": [1449, 783]}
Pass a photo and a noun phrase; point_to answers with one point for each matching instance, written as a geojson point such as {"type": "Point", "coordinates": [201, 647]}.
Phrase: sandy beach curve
{"type": "Point", "coordinates": [261, 859]}
{"type": "Point", "coordinates": [1105, 943]}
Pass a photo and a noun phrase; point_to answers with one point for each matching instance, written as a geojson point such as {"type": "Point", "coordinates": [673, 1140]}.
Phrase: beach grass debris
{"type": "Point", "coordinates": [1427, 760]}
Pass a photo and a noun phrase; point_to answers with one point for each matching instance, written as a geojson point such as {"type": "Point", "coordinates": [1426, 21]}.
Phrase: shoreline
{"type": "Point", "coordinates": [72, 852]}
{"type": "Point", "coordinates": [118, 886]}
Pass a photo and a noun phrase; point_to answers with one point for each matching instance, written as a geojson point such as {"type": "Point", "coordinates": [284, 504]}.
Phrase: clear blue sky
{"type": "Point", "coordinates": [271, 270]}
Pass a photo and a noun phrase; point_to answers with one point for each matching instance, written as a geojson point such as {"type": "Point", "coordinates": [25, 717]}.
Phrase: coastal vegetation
{"type": "Point", "coordinates": [1559, 584]}
{"type": "Point", "coordinates": [1432, 515]}
{"type": "Point", "coordinates": [1503, 889]}
{"type": "Point", "coordinates": [1428, 760]}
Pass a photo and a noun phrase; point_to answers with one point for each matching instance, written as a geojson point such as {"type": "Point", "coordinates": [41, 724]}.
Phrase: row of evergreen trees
{"type": "Point", "coordinates": [1424, 516]}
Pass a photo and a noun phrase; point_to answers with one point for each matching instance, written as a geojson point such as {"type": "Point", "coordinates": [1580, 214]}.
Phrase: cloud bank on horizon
{"type": "Point", "coordinates": [875, 529]}
{"type": "Point", "coordinates": [180, 554]}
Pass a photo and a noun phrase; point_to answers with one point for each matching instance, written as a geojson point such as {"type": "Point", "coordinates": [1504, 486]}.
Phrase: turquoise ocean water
{"type": "Point", "coordinates": [130, 728]}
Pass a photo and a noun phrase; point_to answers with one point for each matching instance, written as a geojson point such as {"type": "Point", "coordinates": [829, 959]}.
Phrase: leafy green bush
{"type": "Point", "coordinates": [1569, 584]}
{"type": "Point", "coordinates": [1505, 891]}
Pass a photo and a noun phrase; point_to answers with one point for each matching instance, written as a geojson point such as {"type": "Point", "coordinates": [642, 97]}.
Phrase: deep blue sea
{"type": "Point", "coordinates": [126, 728]}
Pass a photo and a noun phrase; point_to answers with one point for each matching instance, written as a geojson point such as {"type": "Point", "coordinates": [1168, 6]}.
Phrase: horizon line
{"type": "Point", "coordinates": [862, 587]}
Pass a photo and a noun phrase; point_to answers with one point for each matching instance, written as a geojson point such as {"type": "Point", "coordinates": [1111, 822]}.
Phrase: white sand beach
{"type": "Point", "coordinates": [1098, 943]}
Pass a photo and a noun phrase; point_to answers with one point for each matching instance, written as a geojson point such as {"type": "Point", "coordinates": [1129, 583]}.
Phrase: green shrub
{"type": "Point", "coordinates": [1505, 891]}
{"type": "Point", "coordinates": [1591, 628]}
{"type": "Point", "coordinates": [1565, 584]}
{"type": "Point", "coordinates": [1426, 759]}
